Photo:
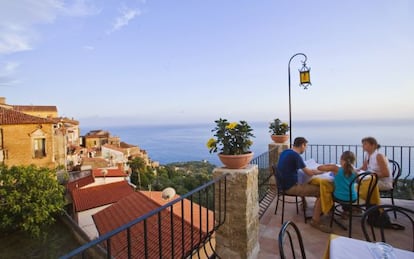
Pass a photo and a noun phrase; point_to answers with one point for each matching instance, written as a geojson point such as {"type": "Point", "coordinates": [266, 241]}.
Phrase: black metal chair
{"type": "Point", "coordinates": [359, 203]}
{"type": "Point", "coordinates": [396, 173]}
{"type": "Point", "coordinates": [406, 218]}
{"type": "Point", "coordinates": [290, 230]}
{"type": "Point", "coordinates": [281, 196]}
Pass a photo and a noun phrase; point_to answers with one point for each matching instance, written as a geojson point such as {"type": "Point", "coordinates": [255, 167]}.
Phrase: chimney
{"type": "Point", "coordinates": [2, 100]}
{"type": "Point", "coordinates": [121, 167]}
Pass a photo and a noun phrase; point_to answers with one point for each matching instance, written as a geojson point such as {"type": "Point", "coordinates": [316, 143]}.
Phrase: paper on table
{"type": "Point", "coordinates": [312, 164]}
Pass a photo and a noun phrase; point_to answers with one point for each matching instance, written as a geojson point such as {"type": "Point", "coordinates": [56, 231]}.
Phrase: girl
{"type": "Point", "coordinates": [344, 175]}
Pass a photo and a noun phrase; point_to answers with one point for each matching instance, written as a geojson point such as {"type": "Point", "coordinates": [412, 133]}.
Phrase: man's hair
{"type": "Point", "coordinates": [299, 141]}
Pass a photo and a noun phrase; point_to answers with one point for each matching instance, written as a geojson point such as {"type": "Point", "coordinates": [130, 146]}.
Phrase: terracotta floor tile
{"type": "Point", "coordinates": [315, 241]}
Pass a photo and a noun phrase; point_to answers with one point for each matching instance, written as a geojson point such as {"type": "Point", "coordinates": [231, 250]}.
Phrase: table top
{"type": "Point", "coordinates": [344, 247]}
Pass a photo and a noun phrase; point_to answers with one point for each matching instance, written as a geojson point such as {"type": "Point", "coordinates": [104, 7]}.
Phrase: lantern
{"type": "Point", "coordinates": [304, 74]}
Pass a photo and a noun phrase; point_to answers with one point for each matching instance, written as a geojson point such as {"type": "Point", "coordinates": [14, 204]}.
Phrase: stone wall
{"type": "Point", "coordinates": [18, 145]}
{"type": "Point", "coordinates": [238, 237]}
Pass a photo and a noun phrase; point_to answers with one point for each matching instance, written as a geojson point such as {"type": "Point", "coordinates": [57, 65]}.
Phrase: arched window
{"type": "Point", "coordinates": [38, 143]}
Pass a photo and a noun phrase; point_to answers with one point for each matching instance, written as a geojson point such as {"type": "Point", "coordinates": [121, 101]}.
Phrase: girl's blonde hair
{"type": "Point", "coordinates": [349, 159]}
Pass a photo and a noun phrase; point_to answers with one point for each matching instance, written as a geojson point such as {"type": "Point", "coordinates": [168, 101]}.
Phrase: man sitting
{"type": "Point", "coordinates": [290, 161]}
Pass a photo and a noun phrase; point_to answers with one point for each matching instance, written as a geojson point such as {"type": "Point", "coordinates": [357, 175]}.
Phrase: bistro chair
{"type": "Point", "coordinates": [406, 218]}
{"type": "Point", "coordinates": [396, 173]}
{"type": "Point", "coordinates": [359, 204]}
{"type": "Point", "coordinates": [290, 232]}
{"type": "Point", "coordinates": [281, 196]}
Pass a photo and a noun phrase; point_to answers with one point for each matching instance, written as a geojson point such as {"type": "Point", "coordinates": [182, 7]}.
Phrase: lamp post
{"type": "Point", "coordinates": [304, 77]}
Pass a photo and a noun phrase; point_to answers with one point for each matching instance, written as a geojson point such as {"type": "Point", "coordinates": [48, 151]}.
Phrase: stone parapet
{"type": "Point", "coordinates": [238, 237]}
{"type": "Point", "coordinates": [275, 149]}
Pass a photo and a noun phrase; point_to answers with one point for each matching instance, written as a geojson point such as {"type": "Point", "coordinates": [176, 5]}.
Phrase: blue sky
{"type": "Point", "coordinates": [187, 61]}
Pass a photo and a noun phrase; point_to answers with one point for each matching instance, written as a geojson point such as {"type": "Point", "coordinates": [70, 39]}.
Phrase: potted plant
{"type": "Point", "coordinates": [232, 142]}
{"type": "Point", "coordinates": [279, 130]}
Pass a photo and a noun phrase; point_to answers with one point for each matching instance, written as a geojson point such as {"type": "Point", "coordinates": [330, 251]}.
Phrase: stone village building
{"type": "Point", "coordinates": [34, 134]}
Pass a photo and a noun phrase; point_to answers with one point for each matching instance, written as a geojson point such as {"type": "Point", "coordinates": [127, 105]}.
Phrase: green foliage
{"type": "Point", "coordinates": [29, 198]}
{"type": "Point", "coordinates": [231, 138]}
{"type": "Point", "coordinates": [136, 164]}
{"type": "Point", "coordinates": [277, 127]}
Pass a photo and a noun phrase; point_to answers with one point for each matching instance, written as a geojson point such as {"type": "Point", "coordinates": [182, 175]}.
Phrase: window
{"type": "Point", "coordinates": [39, 147]}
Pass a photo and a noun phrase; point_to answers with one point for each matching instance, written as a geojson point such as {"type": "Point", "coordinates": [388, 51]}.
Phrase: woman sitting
{"type": "Point", "coordinates": [377, 163]}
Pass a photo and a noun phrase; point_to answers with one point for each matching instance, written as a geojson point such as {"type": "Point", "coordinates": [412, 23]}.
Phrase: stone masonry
{"type": "Point", "coordinates": [238, 237]}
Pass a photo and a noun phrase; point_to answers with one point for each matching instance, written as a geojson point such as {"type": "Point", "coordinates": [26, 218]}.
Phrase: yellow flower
{"type": "Point", "coordinates": [211, 143]}
{"type": "Point", "coordinates": [232, 125]}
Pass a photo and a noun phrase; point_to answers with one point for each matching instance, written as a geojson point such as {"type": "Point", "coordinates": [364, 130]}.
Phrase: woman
{"type": "Point", "coordinates": [377, 163]}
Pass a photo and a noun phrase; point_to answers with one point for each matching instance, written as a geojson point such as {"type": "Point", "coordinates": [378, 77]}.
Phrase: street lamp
{"type": "Point", "coordinates": [304, 76]}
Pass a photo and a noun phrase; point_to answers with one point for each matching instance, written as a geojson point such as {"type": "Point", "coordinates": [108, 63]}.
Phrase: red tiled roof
{"type": "Point", "coordinates": [134, 206]}
{"type": "Point", "coordinates": [92, 197]}
{"type": "Point", "coordinates": [126, 145]}
{"type": "Point", "coordinates": [79, 183]}
{"type": "Point", "coordinates": [34, 108]}
{"type": "Point", "coordinates": [11, 117]}
{"type": "Point", "coordinates": [197, 210]}
{"type": "Point", "coordinates": [113, 147]}
{"type": "Point", "coordinates": [112, 172]}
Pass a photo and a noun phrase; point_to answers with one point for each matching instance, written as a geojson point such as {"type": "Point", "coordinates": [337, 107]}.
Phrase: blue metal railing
{"type": "Point", "coordinates": [161, 234]}
{"type": "Point", "coordinates": [323, 154]}
{"type": "Point", "coordinates": [267, 190]}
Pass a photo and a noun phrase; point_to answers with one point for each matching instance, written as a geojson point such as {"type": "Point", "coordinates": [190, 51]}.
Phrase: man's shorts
{"type": "Point", "coordinates": [304, 190]}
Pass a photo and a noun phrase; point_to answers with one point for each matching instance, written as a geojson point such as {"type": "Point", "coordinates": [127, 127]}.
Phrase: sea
{"type": "Point", "coordinates": [181, 143]}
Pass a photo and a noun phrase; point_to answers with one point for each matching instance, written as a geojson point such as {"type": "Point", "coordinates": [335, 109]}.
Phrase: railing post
{"type": "Point", "coordinates": [238, 237]}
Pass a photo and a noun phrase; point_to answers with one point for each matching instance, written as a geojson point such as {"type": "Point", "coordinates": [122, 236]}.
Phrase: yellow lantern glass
{"type": "Point", "coordinates": [304, 77]}
{"type": "Point", "coordinates": [304, 74]}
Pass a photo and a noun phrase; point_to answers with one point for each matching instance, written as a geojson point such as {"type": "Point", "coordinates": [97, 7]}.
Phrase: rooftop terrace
{"type": "Point", "coordinates": [315, 241]}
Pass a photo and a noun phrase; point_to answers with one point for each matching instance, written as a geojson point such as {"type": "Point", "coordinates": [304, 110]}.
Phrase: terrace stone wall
{"type": "Point", "coordinates": [238, 237]}
{"type": "Point", "coordinates": [275, 149]}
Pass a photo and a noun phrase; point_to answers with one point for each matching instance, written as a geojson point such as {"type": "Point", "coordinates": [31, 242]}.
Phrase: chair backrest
{"type": "Point", "coordinates": [396, 170]}
{"type": "Point", "coordinates": [278, 178]}
{"type": "Point", "coordinates": [369, 179]}
{"type": "Point", "coordinates": [292, 233]}
{"type": "Point", "coordinates": [405, 218]}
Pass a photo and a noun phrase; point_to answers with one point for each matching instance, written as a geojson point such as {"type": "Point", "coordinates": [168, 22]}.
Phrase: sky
{"type": "Point", "coordinates": [185, 61]}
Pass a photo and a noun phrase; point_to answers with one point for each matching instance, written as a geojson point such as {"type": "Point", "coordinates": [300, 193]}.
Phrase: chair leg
{"type": "Point", "coordinates": [277, 202]}
{"type": "Point", "coordinates": [350, 224]}
{"type": "Point", "coordinates": [283, 207]}
{"type": "Point", "coordinates": [392, 201]}
{"type": "Point", "coordinates": [332, 215]}
{"type": "Point", "coordinates": [297, 207]}
{"type": "Point", "coordinates": [304, 208]}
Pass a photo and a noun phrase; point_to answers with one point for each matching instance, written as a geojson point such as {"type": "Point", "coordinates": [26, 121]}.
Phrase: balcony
{"type": "Point", "coordinates": [226, 211]}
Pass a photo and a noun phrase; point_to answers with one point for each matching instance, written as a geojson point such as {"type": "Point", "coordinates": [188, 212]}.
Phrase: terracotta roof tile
{"type": "Point", "coordinates": [197, 210]}
{"type": "Point", "coordinates": [79, 183]}
{"type": "Point", "coordinates": [134, 206]}
{"type": "Point", "coordinates": [112, 172]}
{"type": "Point", "coordinates": [34, 108]}
{"type": "Point", "coordinates": [12, 117]}
{"type": "Point", "coordinates": [92, 197]}
{"type": "Point", "coordinates": [126, 145]}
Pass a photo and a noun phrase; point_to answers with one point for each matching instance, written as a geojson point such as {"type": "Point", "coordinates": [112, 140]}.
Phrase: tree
{"type": "Point", "coordinates": [30, 197]}
{"type": "Point", "coordinates": [137, 164]}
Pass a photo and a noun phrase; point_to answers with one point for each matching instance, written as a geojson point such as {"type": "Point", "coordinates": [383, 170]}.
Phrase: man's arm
{"type": "Point", "coordinates": [311, 172]}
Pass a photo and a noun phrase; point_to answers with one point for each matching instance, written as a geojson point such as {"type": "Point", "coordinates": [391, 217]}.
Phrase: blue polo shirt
{"type": "Point", "coordinates": [288, 165]}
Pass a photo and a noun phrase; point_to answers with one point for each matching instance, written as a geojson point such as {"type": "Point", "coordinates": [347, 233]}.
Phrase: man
{"type": "Point", "coordinates": [290, 161]}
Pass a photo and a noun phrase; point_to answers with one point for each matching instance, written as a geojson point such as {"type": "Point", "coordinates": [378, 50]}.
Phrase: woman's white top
{"type": "Point", "coordinates": [384, 183]}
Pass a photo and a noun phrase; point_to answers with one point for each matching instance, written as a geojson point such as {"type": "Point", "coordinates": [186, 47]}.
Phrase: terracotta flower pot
{"type": "Point", "coordinates": [279, 138]}
{"type": "Point", "coordinates": [236, 161]}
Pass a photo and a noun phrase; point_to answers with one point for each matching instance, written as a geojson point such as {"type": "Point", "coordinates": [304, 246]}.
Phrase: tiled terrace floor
{"type": "Point", "coordinates": [315, 241]}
